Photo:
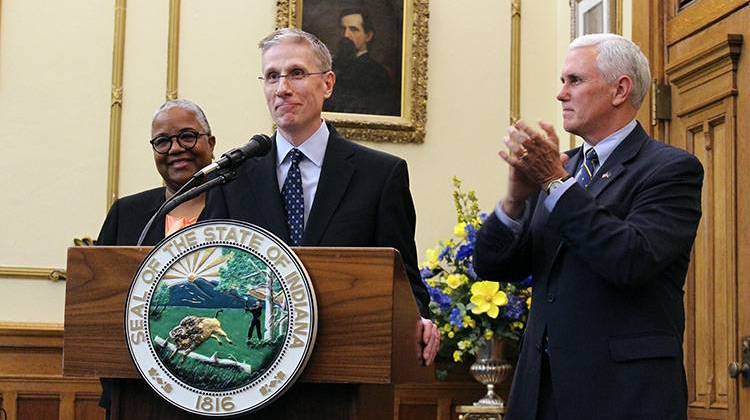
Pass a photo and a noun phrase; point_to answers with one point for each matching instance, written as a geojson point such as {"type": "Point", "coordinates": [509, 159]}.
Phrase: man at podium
{"type": "Point", "coordinates": [315, 188]}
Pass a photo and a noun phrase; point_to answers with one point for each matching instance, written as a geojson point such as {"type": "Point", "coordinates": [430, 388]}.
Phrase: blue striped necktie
{"type": "Point", "coordinates": [590, 164]}
{"type": "Point", "coordinates": [294, 199]}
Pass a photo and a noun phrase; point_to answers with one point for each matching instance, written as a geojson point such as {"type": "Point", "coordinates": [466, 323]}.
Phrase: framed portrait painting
{"type": "Point", "coordinates": [379, 50]}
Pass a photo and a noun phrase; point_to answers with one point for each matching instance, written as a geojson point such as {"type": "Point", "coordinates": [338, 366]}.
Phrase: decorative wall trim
{"type": "Point", "coordinates": [618, 17]}
{"type": "Point", "coordinates": [515, 61]}
{"type": "Point", "coordinates": [715, 65]}
{"type": "Point", "coordinates": [43, 328]}
{"type": "Point", "coordinates": [700, 14]}
{"type": "Point", "coordinates": [173, 49]}
{"type": "Point", "coordinates": [33, 273]}
{"type": "Point", "coordinates": [115, 116]}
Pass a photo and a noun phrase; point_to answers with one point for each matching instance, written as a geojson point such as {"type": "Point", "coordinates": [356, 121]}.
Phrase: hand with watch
{"type": "Point", "coordinates": [556, 183]}
{"type": "Point", "coordinates": [536, 155]}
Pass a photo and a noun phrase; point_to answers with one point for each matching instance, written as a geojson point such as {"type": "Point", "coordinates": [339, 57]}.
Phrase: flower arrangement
{"type": "Point", "coordinates": [468, 309]}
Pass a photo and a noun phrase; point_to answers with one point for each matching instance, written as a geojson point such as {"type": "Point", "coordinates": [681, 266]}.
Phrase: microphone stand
{"type": "Point", "coordinates": [180, 197]}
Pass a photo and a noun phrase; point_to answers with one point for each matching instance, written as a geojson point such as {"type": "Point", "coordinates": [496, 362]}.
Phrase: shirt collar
{"type": "Point", "coordinates": [314, 147]}
{"type": "Point", "coordinates": [605, 147]}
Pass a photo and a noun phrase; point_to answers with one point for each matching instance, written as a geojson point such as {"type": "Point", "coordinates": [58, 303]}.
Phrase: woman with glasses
{"type": "Point", "coordinates": [182, 144]}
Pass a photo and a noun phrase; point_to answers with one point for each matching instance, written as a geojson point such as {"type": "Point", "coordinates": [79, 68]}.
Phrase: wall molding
{"type": "Point", "coordinates": [115, 116]}
{"type": "Point", "coordinates": [515, 61]}
{"type": "Point", "coordinates": [173, 49]}
{"type": "Point", "coordinates": [32, 273]}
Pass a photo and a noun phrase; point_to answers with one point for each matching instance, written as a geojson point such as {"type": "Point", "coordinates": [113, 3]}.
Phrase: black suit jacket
{"type": "Point", "coordinates": [362, 200]}
{"type": "Point", "coordinates": [608, 266]}
{"type": "Point", "coordinates": [123, 225]}
{"type": "Point", "coordinates": [128, 215]}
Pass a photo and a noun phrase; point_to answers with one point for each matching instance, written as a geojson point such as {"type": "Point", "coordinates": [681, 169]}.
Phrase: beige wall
{"type": "Point", "coordinates": [55, 76]}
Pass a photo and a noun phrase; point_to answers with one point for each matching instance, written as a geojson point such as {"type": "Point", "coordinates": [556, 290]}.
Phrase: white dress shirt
{"type": "Point", "coordinates": [314, 149]}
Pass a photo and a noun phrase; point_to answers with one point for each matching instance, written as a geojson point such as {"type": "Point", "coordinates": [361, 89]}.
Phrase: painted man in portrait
{"type": "Point", "coordinates": [363, 85]}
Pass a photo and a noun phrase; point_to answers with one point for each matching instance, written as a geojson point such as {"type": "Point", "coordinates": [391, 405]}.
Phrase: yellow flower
{"type": "Point", "coordinates": [447, 327]}
{"type": "Point", "coordinates": [460, 230]}
{"type": "Point", "coordinates": [464, 344]}
{"type": "Point", "coordinates": [528, 302]}
{"type": "Point", "coordinates": [432, 258]}
{"type": "Point", "coordinates": [432, 282]}
{"type": "Point", "coordinates": [455, 280]}
{"type": "Point", "coordinates": [451, 334]}
{"type": "Point", "coordinates": [517, 325]}
{"type": "Point", "coordinates": [487, 297]}
{"type": "Point", "coordinates": [457, 356]}
{"type": "Point", "coordinates": [469, 321]}
{"type": "Point", "coordinates": [488, 334]}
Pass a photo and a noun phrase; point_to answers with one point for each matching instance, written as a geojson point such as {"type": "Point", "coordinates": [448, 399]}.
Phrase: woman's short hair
{"type": "Point", "coordinates": [187, 105]}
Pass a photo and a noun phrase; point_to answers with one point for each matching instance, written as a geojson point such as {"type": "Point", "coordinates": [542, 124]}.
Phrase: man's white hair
{"type": "Point", "coordinates": [617, 57]}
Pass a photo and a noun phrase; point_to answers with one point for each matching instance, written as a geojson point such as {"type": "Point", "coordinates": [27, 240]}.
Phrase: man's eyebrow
{"type": "Point", "coordinates": [568, 76]}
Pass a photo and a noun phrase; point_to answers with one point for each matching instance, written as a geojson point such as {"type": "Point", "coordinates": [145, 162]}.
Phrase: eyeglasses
{"type": "Point", "coordinates": [296, 75]}
{"type": "Point", "coordinates": [186, 139]}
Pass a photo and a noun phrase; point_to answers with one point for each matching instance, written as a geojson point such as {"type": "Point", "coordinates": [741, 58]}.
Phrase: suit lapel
{"type": "Point", "coordinates": [256, 198]}
{"type": "Point", "coordinates": [334, 179]}
{"type": "Point", "coordinates": [614, 165]}
{"type": "Point", "coordinates": [574, 160]}
{"type": "Point", "coordinates": [156, 232]}
{"type": "Point", "coordinates": [612, 168]}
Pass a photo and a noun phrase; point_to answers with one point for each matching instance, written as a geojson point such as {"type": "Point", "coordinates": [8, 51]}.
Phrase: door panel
{"type": "Point", "coordinates": [711, 298]}
{"type": "Point", "coordinates": [703, 72]}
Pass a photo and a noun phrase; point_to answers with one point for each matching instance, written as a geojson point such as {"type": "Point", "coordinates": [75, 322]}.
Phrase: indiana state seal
{"type": "Point", "coordinates": [221, 318]}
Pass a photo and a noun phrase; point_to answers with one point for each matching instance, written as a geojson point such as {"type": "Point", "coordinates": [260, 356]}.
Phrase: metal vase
{"type": "Point", "coordinates": [491, 367]}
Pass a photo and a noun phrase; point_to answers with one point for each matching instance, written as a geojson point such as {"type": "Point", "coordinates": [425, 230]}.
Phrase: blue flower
{"type": "Point", "coordinates": [437, 296]}
{"type": "Point", "coordinates": [426, 273]}
{"type": "Point", "coordinates": [471, 233]}
{"type": "Point", "coordinates": [482, 216]}
{"type": "Point", "coordinates": [514, 309]}
{"type": "Point", "coordinates": [464, 251]}
{"type": "Point", "coordinates": [456, 319]}
{"type": "Point", "coordinates": [446, 251]}
{"type": "Point", "coordinates": [470, 270]}
{"type": "Point", "coordinates": [527, 282]}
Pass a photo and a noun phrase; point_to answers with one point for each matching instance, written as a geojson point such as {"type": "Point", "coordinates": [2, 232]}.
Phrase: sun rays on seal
{"type": "Point", "coordinates": [204, 263]}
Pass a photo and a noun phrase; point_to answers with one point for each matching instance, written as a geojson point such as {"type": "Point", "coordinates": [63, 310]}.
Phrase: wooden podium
{"type": "Point", "coordinates": [365, 346]}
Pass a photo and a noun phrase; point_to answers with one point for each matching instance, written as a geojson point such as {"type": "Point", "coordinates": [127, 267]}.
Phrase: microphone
{"type": "Point", "coordinates": [258, 145]}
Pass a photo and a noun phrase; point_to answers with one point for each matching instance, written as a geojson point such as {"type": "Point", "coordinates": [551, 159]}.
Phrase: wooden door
{"type": "Point", "coordinates": [697, 48]}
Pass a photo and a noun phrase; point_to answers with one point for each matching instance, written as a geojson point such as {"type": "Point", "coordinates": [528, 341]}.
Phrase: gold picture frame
{"type": "Point", "coordinates": [409, 125]}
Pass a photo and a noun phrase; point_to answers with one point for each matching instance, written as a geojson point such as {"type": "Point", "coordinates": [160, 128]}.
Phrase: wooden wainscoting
{"type": "Point", "coordinates": [32, 386]}
{"type": "Point", "coordinates": [31, 383]}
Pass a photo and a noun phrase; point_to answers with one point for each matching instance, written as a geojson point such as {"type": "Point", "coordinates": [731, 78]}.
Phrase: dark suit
{"type": "Point", "coordinates": [362, 200]}
{"type": "Point", "coordinates": [609, 268]}
{"type": "Point", "coordinates": [128, 216]}
{"type": "Point", "coordinates": [123, 225]}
